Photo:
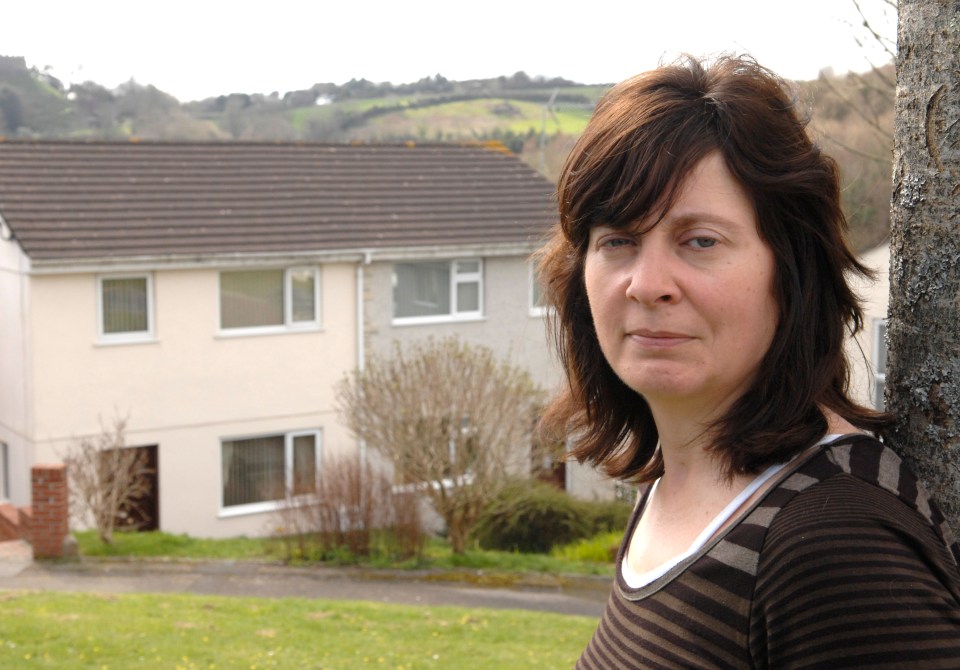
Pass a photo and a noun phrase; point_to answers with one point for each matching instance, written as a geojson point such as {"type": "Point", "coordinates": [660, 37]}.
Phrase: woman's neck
{"type": "Point", "coordinates": [684, 440]}
{"type": "Point", "coordinates": [690, 468]}
{"type": "Point", "coordinates": [688, 461]}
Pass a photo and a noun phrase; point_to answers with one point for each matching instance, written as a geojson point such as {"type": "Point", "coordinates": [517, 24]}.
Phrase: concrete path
{"type": "Point", "coordinates": [580, 596]}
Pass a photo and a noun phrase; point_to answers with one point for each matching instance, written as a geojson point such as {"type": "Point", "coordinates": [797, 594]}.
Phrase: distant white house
{"type": "Point", "coordinates": [217, 292]}
{"type": "Point", "coordinates": [868, 352]}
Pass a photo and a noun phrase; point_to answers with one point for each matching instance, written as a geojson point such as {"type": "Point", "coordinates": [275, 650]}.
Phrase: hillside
{"type": "Point", "coordinates": [538, 119]}
{"type": "Point", "coordinates": [852, 119]}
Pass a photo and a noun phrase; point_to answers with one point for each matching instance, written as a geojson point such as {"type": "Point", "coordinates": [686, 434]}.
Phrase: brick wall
{"type": "Point", "coordinates": [48, 525]}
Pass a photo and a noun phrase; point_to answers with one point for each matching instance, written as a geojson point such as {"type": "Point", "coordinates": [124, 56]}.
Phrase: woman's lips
{"type": "Point", "coordinates": [658, 338]}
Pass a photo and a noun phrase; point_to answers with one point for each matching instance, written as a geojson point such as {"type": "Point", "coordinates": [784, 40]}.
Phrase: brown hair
{"type": "Point", "coordinates": [645, 137]}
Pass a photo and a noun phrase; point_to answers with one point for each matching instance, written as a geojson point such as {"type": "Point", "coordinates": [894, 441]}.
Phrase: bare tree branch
{"type": "Point", "coordinates": [872, 122]}
{"type": "Point", "coordinates": [883, 160]}
{"type": "Point", "coordinates": [880, 39]}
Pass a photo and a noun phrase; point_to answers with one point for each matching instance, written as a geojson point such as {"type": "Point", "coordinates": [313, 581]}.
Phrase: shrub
{"type": "Point", "coordinates": [354, 512]}
{"type": "Point", "coordinates": [607, 516]}
{"type": "Point", "coordinates": [532, 517]}
{"type": "Point", "coordinates": [600, 548]}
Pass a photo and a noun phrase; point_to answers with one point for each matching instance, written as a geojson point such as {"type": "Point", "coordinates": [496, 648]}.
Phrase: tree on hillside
{"type": "Point", "coordinates": [11, 110]}
{"type": "Point", "coordinates": [96, 107]}
{"type": "Point", "coordinates": [451, 419]}
{"type": "Point", "coordinates": [923, 376]}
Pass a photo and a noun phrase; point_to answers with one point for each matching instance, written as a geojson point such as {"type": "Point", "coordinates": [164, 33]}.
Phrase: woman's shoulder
{"type": "Point", "coordinates": [856, 500]}
{"type": "Point", "coordinates": [857, 545]}
{"type": "Point", "coordinates": [849, 471]}
{"type": "Point", "coordinates": [869, 465]}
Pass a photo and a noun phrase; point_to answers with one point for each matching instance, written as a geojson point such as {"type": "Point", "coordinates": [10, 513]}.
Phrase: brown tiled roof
{"type": "Point", "coordinates": [69, 201]}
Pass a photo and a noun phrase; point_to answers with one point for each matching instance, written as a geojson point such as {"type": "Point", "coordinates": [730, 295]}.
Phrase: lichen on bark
{"type": "Point", "coordinates": [923, 375]}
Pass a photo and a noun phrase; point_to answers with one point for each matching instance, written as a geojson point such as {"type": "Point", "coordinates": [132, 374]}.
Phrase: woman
{"type": "Point", "coordinates": [698, 276]}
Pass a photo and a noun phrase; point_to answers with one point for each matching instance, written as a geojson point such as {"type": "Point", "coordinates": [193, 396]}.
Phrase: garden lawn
{"type": "Point", "coordinates": [436, 555]}
{"type": "Point", "coordinates": [130, 632]}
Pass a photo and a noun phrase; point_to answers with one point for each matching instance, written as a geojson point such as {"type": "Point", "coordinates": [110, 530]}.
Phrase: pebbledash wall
{"type": "Point", "coordinates": [190, 387]}
{"type": "Point", "coordinates": [510, 324]}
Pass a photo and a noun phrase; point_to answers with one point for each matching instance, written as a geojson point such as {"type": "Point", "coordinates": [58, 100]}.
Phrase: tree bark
{"type": "Point", "coordinates": [923, 374]}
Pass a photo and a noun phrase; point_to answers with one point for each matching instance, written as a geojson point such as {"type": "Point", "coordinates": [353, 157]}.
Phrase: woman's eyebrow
{"type": "Point", "coordinates": [698, 216]}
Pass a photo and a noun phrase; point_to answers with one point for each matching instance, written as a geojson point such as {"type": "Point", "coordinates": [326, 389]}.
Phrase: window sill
{"type": "Point", "coordinates": [247, 510]}
{"type": "Point", "coordinates": [261, 507]}
{"type": "Point", "coordinates": [231, 333]}
{"type": "Point", "coordinates": [433, 320]}
{"type": "Point", "coordinates": [121, 340]}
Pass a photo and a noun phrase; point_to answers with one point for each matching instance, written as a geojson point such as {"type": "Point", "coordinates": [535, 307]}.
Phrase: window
{"type": "Point", "coordinates": [879, 361]}
{"type": "Point", "coordinates": [260, 471]}
{"type": "Point", "coordinates": [126, 308]}
{"type": "Point", "coordinates": [269, 299]}
{"type": "Point", "coordinates": [433, 291]}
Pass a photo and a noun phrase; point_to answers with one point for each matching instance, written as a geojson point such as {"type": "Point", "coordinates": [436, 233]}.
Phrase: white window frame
{"type": "Point", "coordinates": [288, 325]}
{"type": "Point", "coordinates": [535, 309]}
{"type": "Point", "coordinates": [4, 471]}
{"type": "Point", "coordinates": [457, 277]}
{"type": "Point", "coordinates": [879, 381]}
{"type": "Point", "coordinates": [270, 505]}
{"type": "Point", "coordinates": [132, 336]}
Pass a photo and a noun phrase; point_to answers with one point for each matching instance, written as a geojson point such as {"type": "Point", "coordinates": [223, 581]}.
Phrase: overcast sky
{"type": "Point", "coordinates": [201, 48]}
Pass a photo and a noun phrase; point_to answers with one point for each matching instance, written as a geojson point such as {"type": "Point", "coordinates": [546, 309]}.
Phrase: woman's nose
{"type": "Point", "coordinates": [652, 278]}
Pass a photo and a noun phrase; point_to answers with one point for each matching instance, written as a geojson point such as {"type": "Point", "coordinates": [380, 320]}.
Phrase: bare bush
{"type": "Point", "coordinates": [452, 420]}
{"type": "Point", "coordinates": [354, 508]}
{"type": "Point", "coordinates": [107, 479]}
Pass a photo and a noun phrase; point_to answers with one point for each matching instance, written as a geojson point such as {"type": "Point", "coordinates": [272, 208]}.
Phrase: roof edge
{"type": "Point", "coordinates": [264, 259]}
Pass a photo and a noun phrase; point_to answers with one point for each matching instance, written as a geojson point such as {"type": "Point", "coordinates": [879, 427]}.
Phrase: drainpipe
{"type": "Point", "coordinates": [361, 350]}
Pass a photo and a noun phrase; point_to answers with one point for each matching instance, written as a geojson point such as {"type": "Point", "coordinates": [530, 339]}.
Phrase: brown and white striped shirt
{"type": "Point", "coordinates": [844, 563]}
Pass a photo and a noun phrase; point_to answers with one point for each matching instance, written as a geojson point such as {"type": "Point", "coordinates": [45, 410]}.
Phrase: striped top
{"type": "Point", "coordinates": [844, 563]}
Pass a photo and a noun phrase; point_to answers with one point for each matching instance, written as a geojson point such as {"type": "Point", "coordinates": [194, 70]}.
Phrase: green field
{"type": "Point", "coordinates": [189, 632]}
{"type": "Point", "coordinates": [462, 120]}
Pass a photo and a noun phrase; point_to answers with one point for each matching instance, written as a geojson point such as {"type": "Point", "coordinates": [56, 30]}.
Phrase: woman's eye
{"type": "Point", "coordinates": [615, 242]}
{"type": "Point", "coordinates": [702, 242]}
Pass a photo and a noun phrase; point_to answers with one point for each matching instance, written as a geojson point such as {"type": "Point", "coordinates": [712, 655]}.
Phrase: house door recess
{"type": "Point", "coordinates": [146, 510]}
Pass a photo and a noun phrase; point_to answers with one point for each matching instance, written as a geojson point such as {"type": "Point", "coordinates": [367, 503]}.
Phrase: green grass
{"type": "Point", "coordinates": [188, 632]}
{"type": "Point", "coordinates": [436, 555]}
{"type": "Point", "coordinates": [599, 549]}
{"type": "Point", "coordinates": [104, 632]}
{"type": "Point", "coordinates": [516, 562]}
{"type": "Point", "coordinates": [166, 545]}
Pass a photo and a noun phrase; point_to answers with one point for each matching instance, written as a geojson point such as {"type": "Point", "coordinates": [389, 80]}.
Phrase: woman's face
{"type": "Point", "coordinates": [685, 311]}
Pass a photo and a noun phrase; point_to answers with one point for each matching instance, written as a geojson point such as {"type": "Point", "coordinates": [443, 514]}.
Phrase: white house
{"type": "Point", "coordinates": [868, 352]}
{"type": "Point", "coordinates": [214, 293]}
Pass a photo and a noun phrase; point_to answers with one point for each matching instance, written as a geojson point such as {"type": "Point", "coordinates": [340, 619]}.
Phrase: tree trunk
{"type": "Point", "coordinates": [923, 375]}
{"type": "Point", "coordinates": [457, 531]}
